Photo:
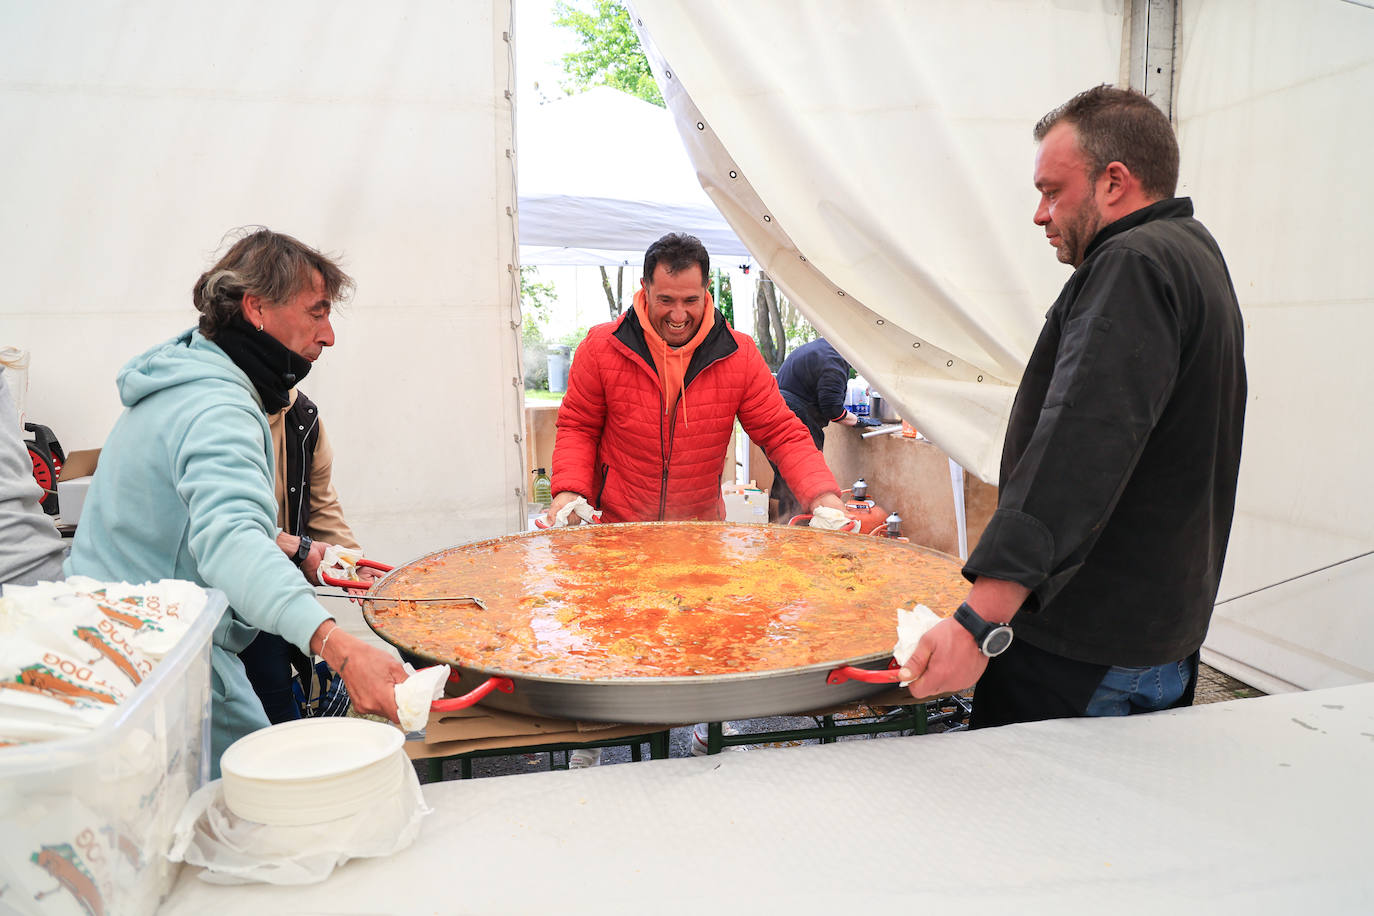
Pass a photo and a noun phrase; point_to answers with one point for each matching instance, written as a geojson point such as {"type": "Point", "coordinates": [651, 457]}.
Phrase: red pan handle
{"type": "Point", "coordinates": [892, 675]}
{"type": "Point", "coordinates": [474, 696]}
{"type": "Point", "coordinates": [545, 526]}
{"type": "Point", "coordinates": [355, 583]}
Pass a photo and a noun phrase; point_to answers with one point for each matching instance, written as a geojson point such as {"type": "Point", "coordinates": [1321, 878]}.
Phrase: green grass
{"type": "Point", "coordinates": [538, 394]}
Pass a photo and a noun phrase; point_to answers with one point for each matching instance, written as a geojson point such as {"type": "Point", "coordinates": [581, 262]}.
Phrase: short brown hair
{"type": "Point", "coordinates": [1121, 125]}
{"type": "Point", "coordinates": [677, 251]}
{"type": "Point", "coordinates": [262, 263]}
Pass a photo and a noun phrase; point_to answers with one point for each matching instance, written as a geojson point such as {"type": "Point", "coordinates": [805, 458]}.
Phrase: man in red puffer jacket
{"type": "Point", "coordinates": [652, 398]}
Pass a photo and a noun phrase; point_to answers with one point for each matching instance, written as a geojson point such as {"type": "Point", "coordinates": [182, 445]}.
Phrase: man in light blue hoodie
{"type": "Point", "coordinates": [184, 489]}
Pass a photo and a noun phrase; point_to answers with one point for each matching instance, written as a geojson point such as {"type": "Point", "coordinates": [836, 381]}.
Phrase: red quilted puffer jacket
{"type": "Point", "coordinates": [616, 447]}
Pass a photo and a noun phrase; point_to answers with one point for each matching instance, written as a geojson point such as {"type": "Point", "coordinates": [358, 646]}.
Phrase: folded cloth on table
{"type": "Point", "coordinates": [417, 692]}
{"type": "Point", "coordinates": [830, 519]}
{"type": "Point", "coordinates": [581, 508]}
{"type": "Point", "coordinates": [912, 624]}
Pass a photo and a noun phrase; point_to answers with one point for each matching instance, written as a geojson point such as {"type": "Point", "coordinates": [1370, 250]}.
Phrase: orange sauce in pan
{"type": "Point", "coordinates": [662, 600]}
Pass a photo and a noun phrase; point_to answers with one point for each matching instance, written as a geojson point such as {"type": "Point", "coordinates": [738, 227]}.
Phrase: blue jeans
{"type": "Point", "coordinates": [1126, 691]}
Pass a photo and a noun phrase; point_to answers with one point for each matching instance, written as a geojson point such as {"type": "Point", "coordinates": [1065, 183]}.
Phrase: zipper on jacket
{"type": "Point", "coordinates": [306, 466]}
{"type": "Point", "coordinates": [605, 472]}
{"type": "Point", "coordinates": [672, 432]}
{"type": "Point", "coordinates": [667, 457]}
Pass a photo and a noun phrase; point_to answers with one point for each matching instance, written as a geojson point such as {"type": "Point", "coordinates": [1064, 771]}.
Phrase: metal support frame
{"type": "Point", "coordinates": [951, 712]}
{"type": "Point", "coordinates": [1152, 38]}
{"type": "Point", "coordinates": [828, 728]}
{"type": "Point", "coordinates": [657, 742]}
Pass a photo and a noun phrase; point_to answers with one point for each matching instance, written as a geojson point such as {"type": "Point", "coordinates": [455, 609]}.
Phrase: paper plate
{"type": "Point", "coordinates": [312, 770]}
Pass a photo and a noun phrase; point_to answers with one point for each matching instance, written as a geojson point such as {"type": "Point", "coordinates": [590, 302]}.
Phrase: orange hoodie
{"type": "Point", "coordinates": [672, 363]}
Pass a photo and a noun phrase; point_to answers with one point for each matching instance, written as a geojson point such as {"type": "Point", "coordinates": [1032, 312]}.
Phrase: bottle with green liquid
{"type": "Point", "coordinates": [543, 489]}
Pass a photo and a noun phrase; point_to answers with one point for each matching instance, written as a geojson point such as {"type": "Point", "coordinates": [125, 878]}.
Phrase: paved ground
{"type": "Point", "coordinates": [1213, 687]}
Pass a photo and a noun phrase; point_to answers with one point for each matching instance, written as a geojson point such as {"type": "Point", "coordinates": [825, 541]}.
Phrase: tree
{"type": "Point", "coordinates": [725, 297]}
{"type": "Point", "coordinates": [769, 333]}
{"type": "Point", "coordinates": [536, 302]}
{"type": "Point", "coordinates": [610, 54]}
{"type": "Point", "coordinates": [614, 300]}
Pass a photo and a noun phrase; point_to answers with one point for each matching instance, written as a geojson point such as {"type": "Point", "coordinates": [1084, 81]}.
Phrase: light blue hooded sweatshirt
{"type": "Point", "coordinates": [184, 490]}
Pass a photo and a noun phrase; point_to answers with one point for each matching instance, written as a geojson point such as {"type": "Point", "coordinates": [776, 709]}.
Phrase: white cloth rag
{"type": "Point", "coordinates": [912, 624]}
{"type": "Point", "coordinates": [830, 519]}
{"type": "Point", "coordinates": [581, 507]}
{"type": "Point", "coordinates": [416, 692]}
{"type": "Point", "coordinates": [341, 562]}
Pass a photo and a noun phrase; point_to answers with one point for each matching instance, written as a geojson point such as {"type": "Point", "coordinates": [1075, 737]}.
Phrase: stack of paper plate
{"type": "Point", "coordinates": [312, 770]}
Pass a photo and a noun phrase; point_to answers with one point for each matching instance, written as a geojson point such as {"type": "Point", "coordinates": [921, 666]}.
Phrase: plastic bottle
{"type": "Point", "coordinates": [543, 489]}
{"type": "Point", "coordinates": [856, 397]}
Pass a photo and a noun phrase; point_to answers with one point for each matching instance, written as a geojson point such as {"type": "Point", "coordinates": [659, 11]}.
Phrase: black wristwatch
{"type": "Point", "coordinates": [303, 551]}
{"type": "Point", "coordinates": [992, 638]}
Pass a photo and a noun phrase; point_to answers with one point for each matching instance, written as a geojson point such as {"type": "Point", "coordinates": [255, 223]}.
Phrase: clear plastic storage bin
{"type": "Point", "coordinates": [87, 821]}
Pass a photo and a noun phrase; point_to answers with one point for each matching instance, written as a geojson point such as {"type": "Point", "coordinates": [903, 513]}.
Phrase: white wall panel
{"type": "Point", "coordinates": [138, 133]}
{"type": "Point", "coordinates": [1273, 107]}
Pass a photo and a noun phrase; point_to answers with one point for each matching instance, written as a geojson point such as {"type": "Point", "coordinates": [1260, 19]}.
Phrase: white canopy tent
{"type": "Point", "coordinates": [602, 174]}
{"type": "Point", "coordinates": [877, 160]}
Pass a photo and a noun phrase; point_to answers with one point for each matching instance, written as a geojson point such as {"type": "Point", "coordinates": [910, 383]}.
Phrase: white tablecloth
{"type": "Point", "coordinates": [1252, 806]}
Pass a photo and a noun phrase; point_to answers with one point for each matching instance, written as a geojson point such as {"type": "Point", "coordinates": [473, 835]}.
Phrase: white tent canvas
{"type": "Point", "coordinates": [137, 134]}
{"type": "Point", "coordinates": [877, 161]}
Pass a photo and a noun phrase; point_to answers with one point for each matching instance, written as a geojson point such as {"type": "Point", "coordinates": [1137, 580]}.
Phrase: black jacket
{"type": "Point", "coordinates": [302, 432]}
{"type": "Point", "coordinates": [813, 381]}
{"type": "Point", "coordinates": [1119, 467]}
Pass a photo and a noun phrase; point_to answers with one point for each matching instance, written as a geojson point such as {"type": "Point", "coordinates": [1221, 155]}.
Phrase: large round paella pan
{"type": "Point", "coordinates": [663, 622]}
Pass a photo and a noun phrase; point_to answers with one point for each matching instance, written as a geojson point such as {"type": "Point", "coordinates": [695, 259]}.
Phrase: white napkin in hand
{"type": "Point", "coordinates": [416, 692]}
{"type": "Point", "coordinates": [911, 626]}
{"type": "Point", "coordinates": [829, 518]}
{"type": "Point", "coordinates": [340, 562]}
{"type": "Point", "coordinates": [583, 509]}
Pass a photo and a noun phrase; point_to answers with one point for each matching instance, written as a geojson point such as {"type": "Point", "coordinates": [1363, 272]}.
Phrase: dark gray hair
{"type": "Point", "coordinates": [266, 264]}
{"type": "Point", "coordinates": [677, 252]}
{"type": "Point", "coordinates": [1121, 125]}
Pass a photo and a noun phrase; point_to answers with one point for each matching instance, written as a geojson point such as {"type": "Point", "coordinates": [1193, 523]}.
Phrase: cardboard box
{"type": "Point", "coordinates": [73, 482]}
{"type": "Point", "coordinates": [80, 463]}
{"type": "Point", "coordinates": [88, 820]}
{"type": "Point", "coordinates": [479, 728]}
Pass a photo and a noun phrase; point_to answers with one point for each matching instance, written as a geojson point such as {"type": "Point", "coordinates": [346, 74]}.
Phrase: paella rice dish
{"type": "Point", "coordinates": [660, 600]}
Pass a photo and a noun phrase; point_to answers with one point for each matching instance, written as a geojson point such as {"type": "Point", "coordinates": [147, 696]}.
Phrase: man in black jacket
{"type": "Point", "coordinates": [813, 381]}
{"type": "Point", "coordinates": [1119, 466]}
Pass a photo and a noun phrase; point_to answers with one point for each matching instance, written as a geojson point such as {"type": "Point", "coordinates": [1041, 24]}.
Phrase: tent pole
{"type": "Point", "coordinates": [1152, 44]}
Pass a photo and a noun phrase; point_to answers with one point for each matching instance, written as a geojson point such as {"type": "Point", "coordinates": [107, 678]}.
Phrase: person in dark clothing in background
{"type": "Point", "coordinates": [812, 380]}
{"type": "Point", "coordinates": [1119, 466]}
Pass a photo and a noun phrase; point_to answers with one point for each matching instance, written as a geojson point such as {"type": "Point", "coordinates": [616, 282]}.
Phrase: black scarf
{"type": "Point", "coordinates": [270, 365]}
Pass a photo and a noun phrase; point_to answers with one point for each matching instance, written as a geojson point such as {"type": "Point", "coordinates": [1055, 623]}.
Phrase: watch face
{"type": "Point", "coordinates": [997, 642]}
